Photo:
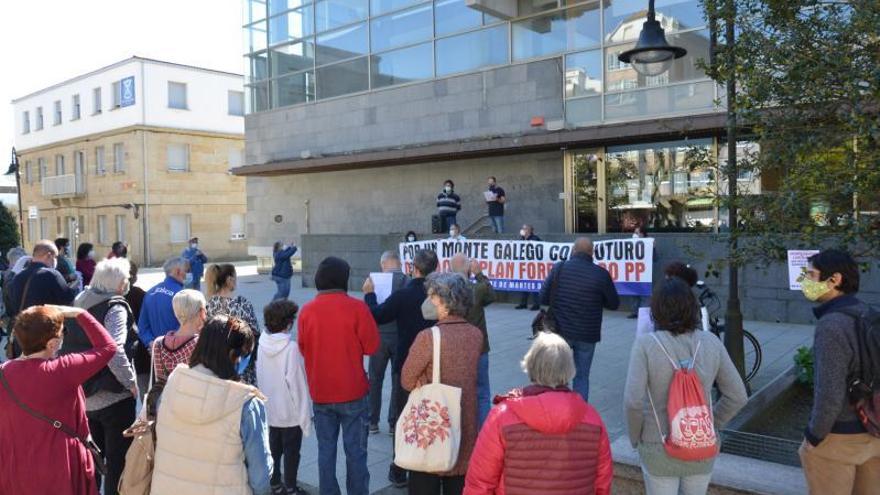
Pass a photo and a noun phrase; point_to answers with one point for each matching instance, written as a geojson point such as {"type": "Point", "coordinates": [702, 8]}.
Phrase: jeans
{"type": "Point", "coordinates": [484, 395]}
{"type": "Point", "coordinates": [107, 426]}
{"type": "Point", "coordinates": [285, 442]}
{"type": "Point", "coordinates": [283, 285]}
{"type": "Point", "coordinates": [497, 224]}
{"type": "Point", "coordinates": [583, 360]}
{"type": "Point", "coordinates": [378, 363]}
{"type": "Point", "coordinates": [697, 484]}
{"type": "Point", "coordinates": [524, 298]}
{"type": "Point", "coordinates": [353, 418]}
{"type": "Point", "coordinates": [446, 221]}
{"type": "Point", "coordinates": [433, 484]}
{"type": "Point", "coordinates": [636, 304]}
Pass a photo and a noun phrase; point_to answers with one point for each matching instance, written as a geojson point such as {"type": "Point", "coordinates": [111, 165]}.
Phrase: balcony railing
{"type": "Point", "coordinates": [64, 185]}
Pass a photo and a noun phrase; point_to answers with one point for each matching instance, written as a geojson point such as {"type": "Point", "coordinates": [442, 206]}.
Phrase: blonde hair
{"type": "Point", "coordinates": [216, 277]}
{"type": "Point", "coordinates": [187, 304]}
{"type": "Point", "coordinates": [550, 361]}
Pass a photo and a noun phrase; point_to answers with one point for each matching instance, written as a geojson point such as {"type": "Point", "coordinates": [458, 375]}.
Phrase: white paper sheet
{"type": "Point", "coordinates": [382, 285]}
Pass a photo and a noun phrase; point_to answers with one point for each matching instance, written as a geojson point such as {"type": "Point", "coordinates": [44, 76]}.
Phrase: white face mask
{"type": "Point", "coordinates": [91, 255]}
{"type": "Point", "coordinates": [194, 245]}
{"type": "Point", "coordinates": [522, 232]}
{"type": "Point", "coordinates": [447, 189]}
{"type": "Point", "coordinates": [453, 233]}
{"type": "Point", "coordinates": [636, 236]}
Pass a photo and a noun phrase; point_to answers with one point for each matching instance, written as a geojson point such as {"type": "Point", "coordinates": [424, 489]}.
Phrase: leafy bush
{"type": "Point", "coordinates": [803, 361]}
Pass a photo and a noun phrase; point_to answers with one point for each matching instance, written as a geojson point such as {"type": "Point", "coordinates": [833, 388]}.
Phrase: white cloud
{"type": "Point", "coordinates": [48, 41]}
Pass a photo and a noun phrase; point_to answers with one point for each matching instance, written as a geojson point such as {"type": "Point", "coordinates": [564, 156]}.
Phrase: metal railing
{"type": "Point", "coordinates": [64, 185]}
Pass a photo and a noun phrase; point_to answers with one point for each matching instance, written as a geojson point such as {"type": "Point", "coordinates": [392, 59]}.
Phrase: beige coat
{"type": "Point", "coordinates": [198, 440]}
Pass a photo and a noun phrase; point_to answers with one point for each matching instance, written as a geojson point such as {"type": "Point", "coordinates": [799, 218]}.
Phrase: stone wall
{"type": "Point", "coordinates": [496, 102]}
{"type": "Point", "coordinates": [401, 198]}
{"type": "Point", "coordinates": [764, 292]}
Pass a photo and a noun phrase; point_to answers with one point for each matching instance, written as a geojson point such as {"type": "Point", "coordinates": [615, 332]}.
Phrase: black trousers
{"type": "Point", "coordinates": [286, 443]}
{"type": "Point", "coordinates": [402, 396]}
{"type": "Point", "coordinates": [433, 484]}
{"type": "Point", "coordinates": [107, 426]}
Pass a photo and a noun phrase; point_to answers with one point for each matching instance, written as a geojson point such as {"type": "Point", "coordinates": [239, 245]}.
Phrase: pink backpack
{"type": "Point", "coordinates": [691, 426]}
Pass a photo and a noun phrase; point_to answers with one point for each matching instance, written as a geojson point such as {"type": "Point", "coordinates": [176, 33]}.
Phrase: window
{"type": "Point", "coordinates": [179, 226]}
{"type": "Point", "coordinates": [74, 108]}
{"type": "Point", "coordinates": [381, 6]}
{"type": "Point", "coordinates": [79, 171]}
{"type": "Point", "coordinates": [613, 62]}
{"type": "Point", "coordinates": [59, 164]}
{"type": "Point", "coordinates": [288, 90]}
{"type": "Point", "coordinates": [27, 173]}
{"type": "Point", "coordinates": [342, 44]}
{"type": "Point", "coordinates": [292, 58]}
{"type": "Point", "coordinates": [117, 94]}
{"type": "Point", "coordinates": [289, 26]}
{"type": "Point", "coordinates": [44, 228]}
{"type": "Point", "coordinates": [344, 78]}
{"type": "Point", "coordinates": [120, 228]}
{"type": "Point", "coordinates": [472, 50]}
{"type": "Point", "coordinates": [32, 230]}
{"type": "Point", "coordinates": [57, 119]}
{"type": "Point", "coordinates": [118, 158]}
{"type": "Point", "coordinates": [99, 161]}
{"type": "Point", "coordinates": [96, 101]}
{"type": "Point", "coordinates": [42, 169]}
{"type": "Point", "coordinates": [236, 226]}
{"type": "Point", "coordinates": [235, 102]}
{"type": "Point", "coordinates": [102, 229]}
{"type": "Point", "coordinates": [330, 14]}
{"type": "Point", "coordinates": [402, 66]}
{"type": "Point", "coordinates": [178, 157]}
{"type": "Point", "coordinates": [177, 95]}
{"type": "Point", "coordinates": [402, 28]}
{"type": "Point", "coordinates": [81, 225]}
{"type": "Point", "coordinates": [39, 125]}
{"type": "Point", "coordinates": [451, 16]}
{"type": "Point", "coordinates": [58, 231]}
{"type": "Point", "coordinates": [558, 32]}
{"type": "Point", "coordinates": [25, 122]}
{"type": "Point", "coordinates": [236, 157]}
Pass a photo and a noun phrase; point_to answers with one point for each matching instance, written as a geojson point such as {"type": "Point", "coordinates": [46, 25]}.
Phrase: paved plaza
{"type": "Point", "coordinates": [509, 330]}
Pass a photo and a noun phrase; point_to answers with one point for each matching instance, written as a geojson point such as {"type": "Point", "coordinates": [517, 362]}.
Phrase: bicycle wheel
{"type": "Point", "coordinates": [753, 355]}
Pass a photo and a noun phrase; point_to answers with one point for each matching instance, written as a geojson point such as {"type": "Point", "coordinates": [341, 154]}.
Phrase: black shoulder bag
{"type": "Point", "coordinates": [88, 443]}
{"type": "Point", "coordinates": [545, 320]}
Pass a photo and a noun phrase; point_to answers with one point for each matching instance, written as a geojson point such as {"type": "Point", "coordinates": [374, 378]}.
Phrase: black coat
{"type": "Point", "coordinates": [404, 306]}
{"type": "Point", "coordinates": [47, 286]}
{"type": "Point", "coordinates": [584, 290]}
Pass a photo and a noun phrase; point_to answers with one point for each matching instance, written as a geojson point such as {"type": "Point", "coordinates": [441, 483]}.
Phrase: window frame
{"type": "Point", "coordinates": [187, 218]}
{"type": "Point", "coordinates": [186, 158]}
{"type": "Point", "coordinates": [185, 95]}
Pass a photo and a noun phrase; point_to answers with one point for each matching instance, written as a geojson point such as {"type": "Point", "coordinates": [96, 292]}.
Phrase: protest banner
{"type": "Point", "coordinates": [797, 262]}
{"type": "Point", "coordinates": [522, 266]}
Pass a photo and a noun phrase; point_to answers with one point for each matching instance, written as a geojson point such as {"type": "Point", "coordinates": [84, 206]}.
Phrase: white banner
{"type": "Point", "coordinates": [522, 266]}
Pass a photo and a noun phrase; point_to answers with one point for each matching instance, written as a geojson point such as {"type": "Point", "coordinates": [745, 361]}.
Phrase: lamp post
{"type": "Point", "coordinates": [652, 55]}
{"type": "Point", "coordinates": [14, 169]}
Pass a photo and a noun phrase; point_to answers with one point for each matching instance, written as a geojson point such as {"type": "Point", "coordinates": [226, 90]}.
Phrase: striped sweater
{"type": "Point", "coordinates": [448, 204]}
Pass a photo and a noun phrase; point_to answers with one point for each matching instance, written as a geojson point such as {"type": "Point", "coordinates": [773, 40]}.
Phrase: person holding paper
{"type": "Point", "coordinates": [495, 200]}
{"type": "Point", "coordinates": [527, 233]}
{"type": "Point", "coordinates": [387, 352]}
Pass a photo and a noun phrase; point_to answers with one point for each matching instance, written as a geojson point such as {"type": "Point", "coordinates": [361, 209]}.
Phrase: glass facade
{"type": "Point", "coordinates": [302, 50]}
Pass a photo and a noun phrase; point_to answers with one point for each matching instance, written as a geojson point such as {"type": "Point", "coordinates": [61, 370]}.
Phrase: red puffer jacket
{"type": "Point", "coordinates": [541, 440]}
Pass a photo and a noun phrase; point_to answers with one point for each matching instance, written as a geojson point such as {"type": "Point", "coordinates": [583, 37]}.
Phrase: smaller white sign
{"type": "Point", "coordinates": [33, 212]}
{"type": "Point", "coordinates": [490, 196]}
{"type": "Point", "coordinates": [797, 261]}
{"type": "Point", "coordinates": [382, 285]}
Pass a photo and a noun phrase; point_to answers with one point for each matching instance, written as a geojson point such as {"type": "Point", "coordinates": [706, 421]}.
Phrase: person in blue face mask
{"type": "Point", "coordinates": [207, 414]}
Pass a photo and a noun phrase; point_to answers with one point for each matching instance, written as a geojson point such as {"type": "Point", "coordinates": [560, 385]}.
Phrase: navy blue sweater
{"type": "Point", "coordinates": [47, 286]}
{"type": "Point", "coordinates": [448, 204]}
{"type": "Point", "coordinates": [404, 306]}
{"type": "Point", "coordinates": [584, 290]}
{"type": "Point", "coordinates": [283, 268]}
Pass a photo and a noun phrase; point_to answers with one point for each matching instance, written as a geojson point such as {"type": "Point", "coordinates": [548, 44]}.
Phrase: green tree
{"type": "Point", "coordinates": [8, 229]}
{"type": "Point", "coordinates": [808, 92]}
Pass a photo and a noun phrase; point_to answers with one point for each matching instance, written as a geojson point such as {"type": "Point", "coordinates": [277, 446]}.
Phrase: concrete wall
{"type": "Point", "coordinates": [401, 198]}
{"type": "Point", "coordinates": [496, 102]}
{"type": "Point", "coordinates": [763, 291]}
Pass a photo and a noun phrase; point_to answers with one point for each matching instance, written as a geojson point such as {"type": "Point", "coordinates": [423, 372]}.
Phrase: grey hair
{"type": "Point", "coordinates": [174, 263]}
{"type": "Point", "coordinates": [14, 254]}
{"type": "Point", "coordinates": [453, 289]}
{"type": "Point", "coordinates": [187, 304]}
{"type": "Point", "coordinates": [550, 361]}
{"type": "Point", "coordinates": [389, 256]}
{"type": "Point", "coordinates": [109, 274]}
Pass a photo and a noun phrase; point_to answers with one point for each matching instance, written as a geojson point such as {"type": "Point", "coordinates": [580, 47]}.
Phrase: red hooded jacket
{"type": "Point", "coordinates": [541, 440]}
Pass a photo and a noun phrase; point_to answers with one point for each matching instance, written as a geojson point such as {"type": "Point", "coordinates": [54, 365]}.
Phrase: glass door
{"type": "Point", "coordinates": [585, 186]}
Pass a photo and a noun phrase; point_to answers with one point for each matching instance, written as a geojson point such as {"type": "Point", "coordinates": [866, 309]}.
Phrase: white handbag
{"type": "Point", "coordinates": [428, 432]}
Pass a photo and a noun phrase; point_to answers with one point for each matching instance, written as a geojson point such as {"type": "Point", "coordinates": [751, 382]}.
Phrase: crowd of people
{"type": "Point", "coordinates": [229, 402]}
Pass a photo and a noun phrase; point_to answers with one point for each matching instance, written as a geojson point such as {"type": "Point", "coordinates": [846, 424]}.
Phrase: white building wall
{"type": "Point", "coordinates": [88, 123]}
{"type": "Point", "coordinates": [206, 95]}
{"type": "Point", "coordinates": [207, 100]}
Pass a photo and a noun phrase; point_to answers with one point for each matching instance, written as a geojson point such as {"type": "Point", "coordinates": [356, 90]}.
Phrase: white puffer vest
{"type": "Point", "coordinates": [198, 435]}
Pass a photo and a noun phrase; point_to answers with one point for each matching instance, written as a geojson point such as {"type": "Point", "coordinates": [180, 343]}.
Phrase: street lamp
{"type": "Point", "coordinates": [14, 169]}
{"type": "Point", "coordinates": [652, 55]}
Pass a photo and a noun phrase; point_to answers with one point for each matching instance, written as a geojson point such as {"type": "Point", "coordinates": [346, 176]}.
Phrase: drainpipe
{"type": "Point", "coordinates": [146, 230]}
